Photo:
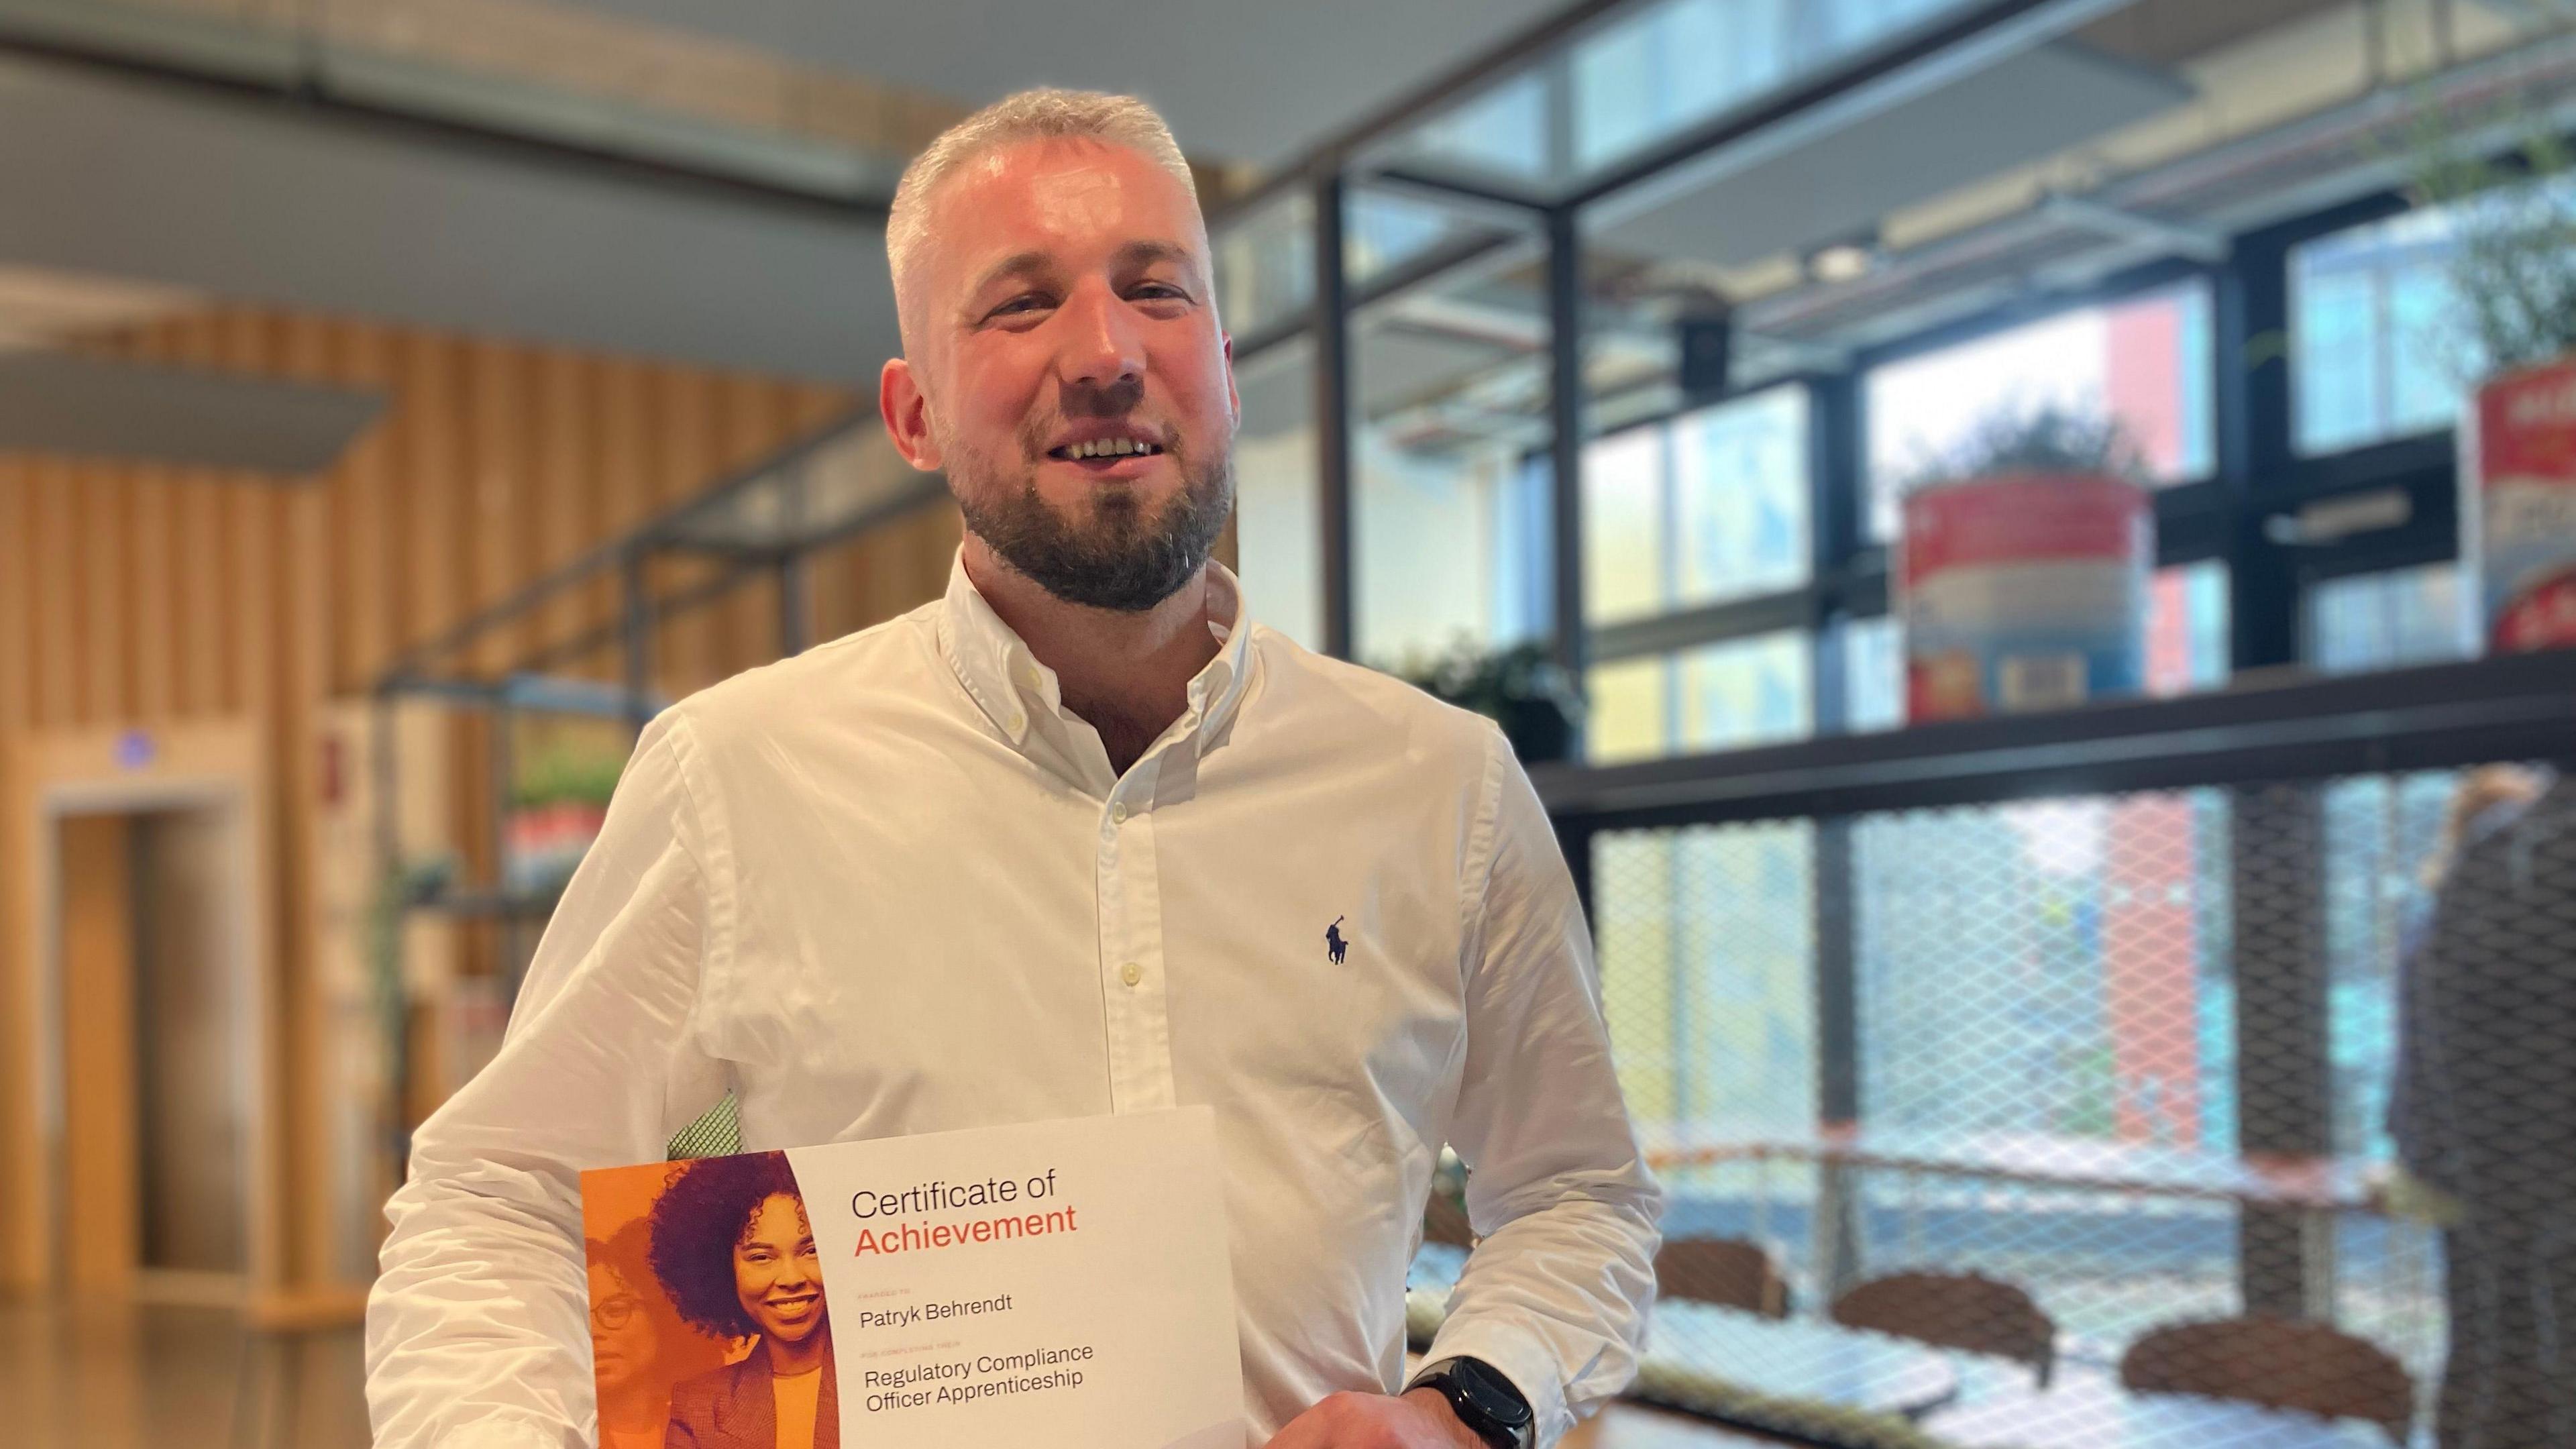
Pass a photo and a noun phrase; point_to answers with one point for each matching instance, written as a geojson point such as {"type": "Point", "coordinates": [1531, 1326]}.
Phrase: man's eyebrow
{"type": "Point", "coordinates": [1020, 264]}
{"type": "Point", "coordinates": [1146, 253]}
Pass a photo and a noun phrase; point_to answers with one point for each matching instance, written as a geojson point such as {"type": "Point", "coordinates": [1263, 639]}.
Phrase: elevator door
{"type": "Point", "coordinates": [190, 1077]}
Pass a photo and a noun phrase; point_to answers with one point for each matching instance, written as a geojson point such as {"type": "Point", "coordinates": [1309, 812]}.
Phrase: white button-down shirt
{"type": "Point", "coordinates": [894, 886]}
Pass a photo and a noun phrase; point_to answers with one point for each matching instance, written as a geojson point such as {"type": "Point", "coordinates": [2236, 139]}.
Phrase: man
{"type": "Point", "coordinates": [1058, 845]}
{"type": "Point", "coordinates": [2484, 1109]}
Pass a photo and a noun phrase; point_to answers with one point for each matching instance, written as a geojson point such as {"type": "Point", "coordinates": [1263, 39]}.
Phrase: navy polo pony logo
{"type": "Point", "coordinates": [1334, 945]}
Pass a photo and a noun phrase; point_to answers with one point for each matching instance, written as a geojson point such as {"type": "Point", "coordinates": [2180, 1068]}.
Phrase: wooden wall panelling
{"type": "Point", "coordinates": [358, 566]}
{"type": "Point", "coordinates": [163, 595]}
{"type": "Point", "coordinates": [304, 629]}
{"type": "Point", "coordinates": [17, 596]}
{"type": "Point", "coordinates": [751, 411]}
{"type": "Point", "coordinates": [436, 551]}
{"type": "Point", "coordinates": [154, 551]}
{"type": "Point", "coordinates": [102, 1235]}
{"type": "Point", "coordinates": [687, 644]}
{"type": "Point", "coordinates": [566, 486]}
{"type": "Point", "coordinates": [55, 611]}
{"type": "Point", "coordinates": [629, 486]}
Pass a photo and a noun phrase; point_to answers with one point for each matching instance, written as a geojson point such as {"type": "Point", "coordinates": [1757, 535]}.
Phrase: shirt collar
{"type": "Point", "coordinates": [1013, 689]}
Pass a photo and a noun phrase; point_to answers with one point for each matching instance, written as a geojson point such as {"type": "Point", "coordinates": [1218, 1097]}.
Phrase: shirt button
{"type": "Point", "coordinates": [1019, 721]}
{"type": "Point", "coordinates": [1118, 816]}
{"type": "Point", "coordinates": [1131, 973]}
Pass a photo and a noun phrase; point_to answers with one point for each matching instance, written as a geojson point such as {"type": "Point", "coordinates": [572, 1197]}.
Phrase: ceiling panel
{"type": "Point", "coordinates": [57, 402]}
{"type": "Point", "coordinates": [264, 203]}
{"type": "Point", "coordinates": [1245, 83]}
{"type": "Point", "coordinates": [1835, 184]}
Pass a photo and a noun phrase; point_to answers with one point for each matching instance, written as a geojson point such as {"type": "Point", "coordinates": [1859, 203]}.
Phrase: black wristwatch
{"type": "Point", "coordinates": [1483, 1399]}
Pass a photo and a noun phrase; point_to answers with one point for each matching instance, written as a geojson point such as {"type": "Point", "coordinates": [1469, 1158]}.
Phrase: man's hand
{"type": "Point", "coordinates": [1421, 1419]}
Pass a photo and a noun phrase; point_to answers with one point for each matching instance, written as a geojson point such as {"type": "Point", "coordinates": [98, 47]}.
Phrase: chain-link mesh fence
{"type": "Point", "coordinates": [2220, 1117]}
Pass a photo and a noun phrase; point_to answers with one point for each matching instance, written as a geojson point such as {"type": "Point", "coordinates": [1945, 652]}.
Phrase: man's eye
{"type": "Point", "coordinates": [1021, 306]}
{"type": "Point", "coordinates": [1159, 292]}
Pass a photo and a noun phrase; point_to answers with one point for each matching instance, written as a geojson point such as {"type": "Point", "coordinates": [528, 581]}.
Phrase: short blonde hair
{"type": "Point", "coordinates": [1026, 116]}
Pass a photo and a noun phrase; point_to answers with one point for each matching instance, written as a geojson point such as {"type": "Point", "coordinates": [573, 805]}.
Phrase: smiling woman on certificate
{"type": "Point", "coordinates": [733, 1246]}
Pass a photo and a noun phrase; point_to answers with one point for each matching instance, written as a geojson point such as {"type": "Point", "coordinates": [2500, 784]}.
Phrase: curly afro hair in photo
{"type": "Point", "coordinates": [698, 1219]}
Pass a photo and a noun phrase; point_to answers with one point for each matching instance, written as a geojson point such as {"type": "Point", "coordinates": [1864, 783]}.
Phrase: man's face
{"type": "Point", "coordinates": [776, 1275]}
{"type": "Point", "coordinates": [1065, 366]}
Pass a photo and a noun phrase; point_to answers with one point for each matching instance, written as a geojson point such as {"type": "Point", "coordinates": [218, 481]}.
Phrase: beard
{"type": "Point", "coordinates": [1125, 555]}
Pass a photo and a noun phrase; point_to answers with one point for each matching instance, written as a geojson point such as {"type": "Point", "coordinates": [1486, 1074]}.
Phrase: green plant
{"type": "Point", "coordinates": [1521, 688]}
{"type": "Point", "coordinates": [566, 772]}
{"type": "Point", "coordinates": [2045, 437]}
{"type": "Point", "coordinates": [2512, 267]}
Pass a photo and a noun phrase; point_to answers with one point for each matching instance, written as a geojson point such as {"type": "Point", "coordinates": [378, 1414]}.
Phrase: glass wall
{"type": "Point", "coordinates": [2187, 629]}
{"type": "Point", "coordinates": [1647, 75]}
{"type": "Point", "coordinates": [2388, 620]}
{"type": "Point", "coordinates": [2376, 353]}
{"type": "Point", "coordinates": [1726, 695]}
{"type": "Point", "coordinates": [1278, 494]}
{"type": "Point", "coordinates": [1450, 522]}
{"type": "Point", "coordinates": [1705, 508]}
{"type": "Point", "coordinates": [2143, 362]}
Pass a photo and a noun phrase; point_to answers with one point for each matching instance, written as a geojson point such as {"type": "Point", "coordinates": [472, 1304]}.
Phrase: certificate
{"type": "Point", "coordinates": [1063, 1283]}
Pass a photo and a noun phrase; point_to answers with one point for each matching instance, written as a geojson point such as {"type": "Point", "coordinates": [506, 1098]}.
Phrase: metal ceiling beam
{"type": "Point", "coordinates": [2201, 244]}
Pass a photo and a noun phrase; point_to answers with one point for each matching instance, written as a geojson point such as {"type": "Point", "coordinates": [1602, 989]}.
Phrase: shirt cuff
{"type": "Point", "coordinates": [1530, 1367]}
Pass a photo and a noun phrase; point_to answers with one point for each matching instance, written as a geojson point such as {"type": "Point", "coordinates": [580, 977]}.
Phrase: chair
{"type": "Point", "coordinates": [1955, 1310]}
{"type": "Point", "coordinates": [2280, 1363]}
{"type": "Point", "coordinates": [1728, 1272]}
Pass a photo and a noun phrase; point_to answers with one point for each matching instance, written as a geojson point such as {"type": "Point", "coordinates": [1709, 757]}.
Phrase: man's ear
{"type": "Point", "coordinates": [1233, 394]}
{"type": "Point", "coordinates": [906, 410]}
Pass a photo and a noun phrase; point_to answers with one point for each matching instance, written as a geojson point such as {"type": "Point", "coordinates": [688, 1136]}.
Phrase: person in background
{"type": "Point", "coordinates": [639, 1344]}
{"type": "Point", "coordinates": [2483, 1108]}
{"type": "Point", "coordinates": [733, 1246]}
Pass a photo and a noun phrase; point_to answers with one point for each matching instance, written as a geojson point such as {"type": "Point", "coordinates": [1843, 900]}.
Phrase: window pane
{"type": "Point", "coordinates": [2187, 629]}
{"type": "Point", "coordinates": [2381, 835]}
{"type": "Point", "coordinates": [1740, 498]}
{"type": "Point", "coordinates": [1451, 547]}
{"type": "Point", "coordinates": [1670, 65]}
{"type": "Point", "coordinates": [1387, 230]}
{"type": "Point", "coordinates": [1706, 507]}
{"type": "Point", "coordinates": [1504, 130]}
{"type": "Point", "coordinates": [1631, 710]}
{"type": "Point", "coordinates": [1626, 527]}
{"type": "Point", "coordinates": [2376, 353]}
{"type": "Point", "coordinates": [1278, 498]}
{"type": "Point", "coordinates": [2045, 984]}
{"type": "Point", "coordinates": [1648, 74]}
{"type": "Point", "coordinates": [1746, 692]}
{"type": "Point", "coordinates": [1873, 673]}
{"type": "Point", "coordinates": [1707, 940]}
{"type": "Point", "coordinates": [2144, 361]}
{"type": "Point", "coordinates": [2388, 620]}
{"type": "Point", "coordinates": [1718, 696]}
{"type": "Point", "coordinates": [1265, 265]}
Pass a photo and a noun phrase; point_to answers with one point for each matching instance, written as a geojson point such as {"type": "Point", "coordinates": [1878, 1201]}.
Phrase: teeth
{"type": "Point", "coordinates": [1111, 448]}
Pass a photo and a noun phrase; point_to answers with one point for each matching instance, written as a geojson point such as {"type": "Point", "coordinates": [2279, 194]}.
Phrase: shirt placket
{"type": "Point", "coordinates": [1131, 948]}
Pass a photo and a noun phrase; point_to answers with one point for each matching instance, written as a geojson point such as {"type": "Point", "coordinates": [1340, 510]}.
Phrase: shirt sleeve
{"type": "Point", "coordinates": [478, 1326]}
{"type": "Point", "coordinates": [1557, 1291]}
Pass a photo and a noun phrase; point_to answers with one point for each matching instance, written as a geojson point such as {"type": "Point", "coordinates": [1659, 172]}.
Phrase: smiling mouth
{"type": "Point", "coordinates": [1105, 450]}
{"type": "Point", "coordinates": [793, 1307]}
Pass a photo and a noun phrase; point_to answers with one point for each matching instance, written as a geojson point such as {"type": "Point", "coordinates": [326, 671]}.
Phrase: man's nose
{"type": "Point", "coordinates": [1103, 346]}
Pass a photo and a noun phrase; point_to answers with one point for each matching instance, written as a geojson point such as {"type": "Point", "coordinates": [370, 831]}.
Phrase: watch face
{"type": "Point", "coordinates": [1491, 1392]}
